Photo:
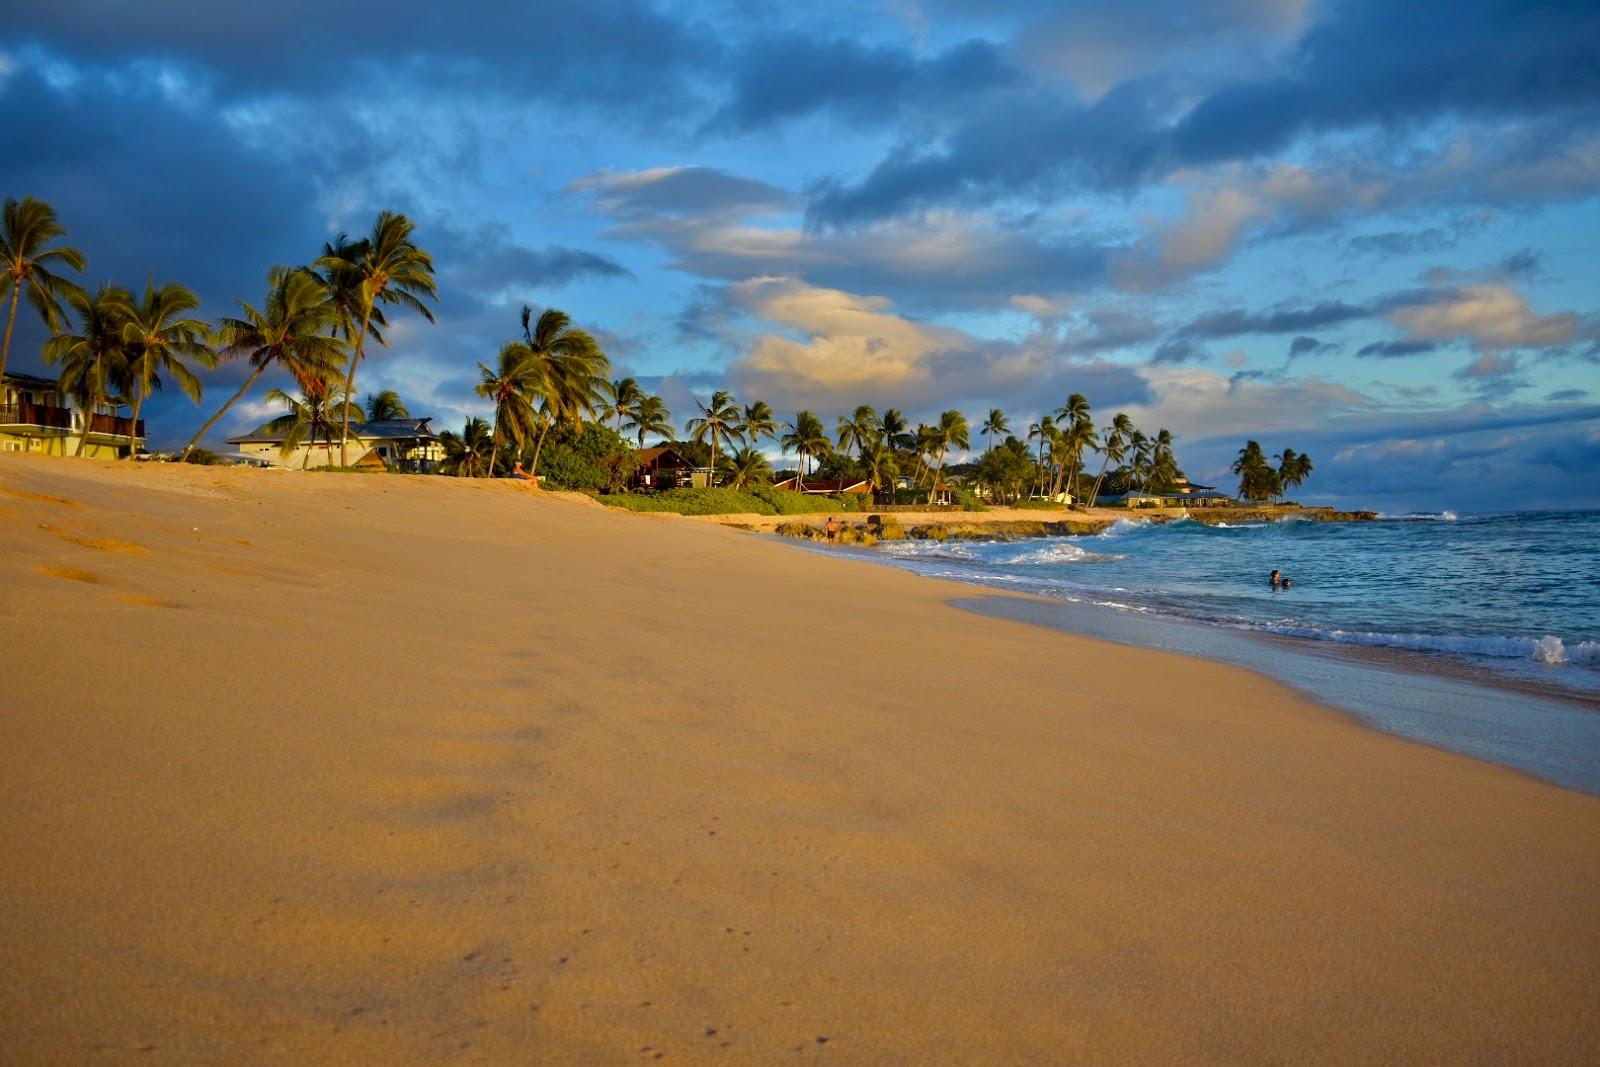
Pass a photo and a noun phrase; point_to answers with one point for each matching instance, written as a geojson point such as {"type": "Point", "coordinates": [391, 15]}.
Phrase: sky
{"type": "Point", "coordinates": [1366, 231]}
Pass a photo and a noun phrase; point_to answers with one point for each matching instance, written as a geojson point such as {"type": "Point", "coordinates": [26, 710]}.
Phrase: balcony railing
{"type": "Point", "coordinates": [45, 415]}
{"type": "Point", "coordinates": [115, 425]}
{"type": "Point", "coordinates": [35, 415]}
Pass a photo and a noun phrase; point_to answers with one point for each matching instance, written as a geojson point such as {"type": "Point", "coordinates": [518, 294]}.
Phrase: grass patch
{"type": "Point", "coordinates": [733, 502]}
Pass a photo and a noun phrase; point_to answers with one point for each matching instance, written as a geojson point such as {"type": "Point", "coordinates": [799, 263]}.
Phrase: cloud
{"type": "Point", "coordinates": [776, 78]}
{"type": "Point", "coordinates": [1492, 317]}
{"type": "Point", "coordinates": [1310, 346]}
{"type": "Point", "coordinates": [1395, 349]}
{"type": "Point", "coordinates": [839, 349]}
{"type": "Point", "coordinates": [1526, 61]}
{"type": "Point", "coordinates": [702, 192]}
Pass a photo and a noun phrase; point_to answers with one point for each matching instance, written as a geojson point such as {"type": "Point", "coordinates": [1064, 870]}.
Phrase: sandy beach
{"type": "Point", "coordinates": [375, 769]}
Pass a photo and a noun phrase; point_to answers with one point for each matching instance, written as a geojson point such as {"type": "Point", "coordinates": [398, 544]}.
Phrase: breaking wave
{"type": "Point", "coordinates": [1550, 650]}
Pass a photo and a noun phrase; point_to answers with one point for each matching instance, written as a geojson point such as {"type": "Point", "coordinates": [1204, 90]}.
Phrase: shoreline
{"type": "Point", "coordinates": [1018, 523]}
{"type": "Point", "coordinates": [456, 769]}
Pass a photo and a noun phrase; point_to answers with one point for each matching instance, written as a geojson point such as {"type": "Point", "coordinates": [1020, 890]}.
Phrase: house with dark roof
{"type": "Point", "coordinates": [36, 416]}
{"type": "Point", "coordinates": [408, 445]}
{"type": "Point", "coordinates": [661, 467]}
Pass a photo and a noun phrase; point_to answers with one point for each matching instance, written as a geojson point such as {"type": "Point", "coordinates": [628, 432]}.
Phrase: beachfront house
{"type": "Point", "coordinates": [408, 445]}
{"type": "Point", "coordinates": [35, 416]}
{"type": "Point", "coordinates": [661, 467]}
{"type": "Point", "coordinates": [1183, 495]}
{"type": "Point", "coordinates": [825, 486]}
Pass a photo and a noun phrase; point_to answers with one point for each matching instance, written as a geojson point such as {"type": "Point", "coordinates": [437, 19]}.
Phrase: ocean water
{"type": "Point", "coordinates": [1515, 596]}
{"type": "Point", "coordinates": [1478, 634]}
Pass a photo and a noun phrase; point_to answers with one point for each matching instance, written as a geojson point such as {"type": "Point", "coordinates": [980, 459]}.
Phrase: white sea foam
{"type": "Point", "coordinates": [1053, 553]}
{"type": "Point", "coordinates": [1420, 516]}
{"type": "Point", "coordinates": [1122, 526]}
{"type": "Point", "coordinates": [1548, 649]}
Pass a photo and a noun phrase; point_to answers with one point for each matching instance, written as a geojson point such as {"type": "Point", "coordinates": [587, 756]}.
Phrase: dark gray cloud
{"type": "Point", "coordinates": [777, 78]}
{"type": "Point", "coordinates": [1563, 396]}
{"type": "Point", "coordinates": [1396, 349]}
{"type": "Point", "coordinates": [1310, 346]}
{"type": "Point", "coordinates": [602, 52]}
{"type": "Point", "coordinates": [488, 260]}
{"type": "Point", "coordinates": [1236, 322]}
{"type": "Point", "coordinates": [1361, 66]}
{"type": "Point", "coordinates": [700, 192]}
{"type": "Point", "coordinates": [1403, 242]}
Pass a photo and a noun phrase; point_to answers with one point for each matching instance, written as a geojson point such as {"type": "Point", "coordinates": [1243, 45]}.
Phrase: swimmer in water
{"type": "Point", "coordinates": [1274, 579]}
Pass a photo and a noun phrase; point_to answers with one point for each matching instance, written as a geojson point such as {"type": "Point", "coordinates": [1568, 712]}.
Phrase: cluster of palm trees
{"type": "Point", "coordinates": [1264, 479]}
{"type": "Point", "coordinates": [115, 348]}
{"type": "Point", "coordinates": [1137, 461]}
{"type": "Point", "coordinates": [554, 374]}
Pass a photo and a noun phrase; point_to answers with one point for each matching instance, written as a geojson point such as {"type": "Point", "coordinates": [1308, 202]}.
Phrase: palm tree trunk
{"type": "Point", "coordinates": [494, 443]}
{"type": "Point", "coordinates": [538, 447]}
{"type": "Point", "coordinates": [1094, 495]}
{"type": "Point", "coordinates": [350, 384]}
{"type": "Point", "coordinates": [133, 426]}
{"type": "Point", "coordinates": [88, 419]}
{"type": "Point", "coordinates": [223, 410]}
{"type": "Point", "coordinates": [11, 320]}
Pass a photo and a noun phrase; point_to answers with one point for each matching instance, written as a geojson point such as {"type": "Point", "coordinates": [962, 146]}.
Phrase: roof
{"type": "Point", "coordinates": [647, 456]}
{"type": "Point", "coordinates": [381, 430]}
{"type": "Point", "coordinates": [827, 485]}
{"type": "Point", "coordinates": [30, 381]}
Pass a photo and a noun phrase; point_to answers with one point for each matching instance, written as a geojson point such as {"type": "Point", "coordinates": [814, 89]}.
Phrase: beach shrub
{"type": "Point", "coordinates": [790, 502]}
{"type": "Point", "coordinates": [967, 500]}
{"type": "Point", "coordinates": [691, 502]}
{"type": "Point", "coordinates": [204, 457]}
{"type": "Point", "coordinates": [595, 458]}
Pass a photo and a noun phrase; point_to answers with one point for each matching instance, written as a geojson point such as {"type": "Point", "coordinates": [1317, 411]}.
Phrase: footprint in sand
{"type": "Point", "coordinates": [142, 601]}
{"type": "Point", "coordinates": [72, 574]}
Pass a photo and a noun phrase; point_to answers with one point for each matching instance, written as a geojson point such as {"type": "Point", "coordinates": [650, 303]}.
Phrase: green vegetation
{"type": "Point", "coordinates": [722, 501]}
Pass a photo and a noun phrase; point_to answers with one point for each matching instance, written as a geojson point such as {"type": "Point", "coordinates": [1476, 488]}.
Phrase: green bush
{"type": "Point", "coordinates": [594, 458]}
{"type": "Point", "coordinates": [967, 500]}
{"type": "Point", "coordinates": [691, 502]}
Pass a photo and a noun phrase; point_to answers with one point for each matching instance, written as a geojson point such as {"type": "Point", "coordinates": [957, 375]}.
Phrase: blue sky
{"type": "Point", "coordinates": [1365, 231]}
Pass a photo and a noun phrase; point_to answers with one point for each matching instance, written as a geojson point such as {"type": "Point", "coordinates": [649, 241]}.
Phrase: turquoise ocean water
{"type": "Point", "coordinates": [1479, 633]}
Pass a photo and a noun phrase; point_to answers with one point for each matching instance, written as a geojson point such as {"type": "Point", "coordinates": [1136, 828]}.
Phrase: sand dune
{"type": "Point", "coordinates": [300, 768]}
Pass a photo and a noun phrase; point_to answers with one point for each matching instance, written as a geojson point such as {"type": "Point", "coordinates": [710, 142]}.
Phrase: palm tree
{"type": "Point", "coordinates": [717, 422]}
{"type": "Point", "coordinates": [314, 413]}
{"type": "Point", "coordinates": [566, 370]}
{"type": "Point", "coordinates": [1113, 448]}
{"type": "Point", "coordinates": [161, 339]}
{"type": "Point", "coordinates": [292, 331]}
{"type": "Point", "coordinates": [1080, 435]}
{"type": "Point", "coordinates": [806, 438]}
{"type": "Point", "coordinates": [859, 430]}
{"type": "Point", "coordinates": [27, 227]}
{"type": "Point", "coordinates": [1163, 466]}
{"type": "Point", "coordinates": [619, 399]}
{"type": "Point", "coordinates": [924, 440]}
{"type": "Point", "coordinates": [893, 428]}
{"type": "Point", "coordinates": [994, 424]}
{"type": "Point", "coordinates": [1257, 479]}
{"type": "Point", "coordinates": [951, 432]}
{"type": "Point", "coordinates": [509, 385]}
{"type": "Point", "coordinates": [94, 361]}
{"type": "Point", "coordinates": [386, 405]}
{"type": "Point", "coordinates": [385, 267]}
{"type": "Point", "coordinates": [1138, 456]}
{"type": "Point", "coordinates": [650, 416]}
{"type": "Point", "coordinates": [758, 422]}
{"type": "Point", "coordinates": [881, 466]}
{"type": "Point", "coordinates": [1042, 431]}
{"type": "Point", "coordinates": [1072, 417]}
{"type": "Point", "coordinates": [467, 454]}
{"type": "Point", "coordinates": [746, 468]}
{"type": "Point", "coordinates": [1293, 469]}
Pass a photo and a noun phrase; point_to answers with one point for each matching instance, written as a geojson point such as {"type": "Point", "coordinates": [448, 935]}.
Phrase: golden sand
{"type": "Point", "coordinates": [438, 771]}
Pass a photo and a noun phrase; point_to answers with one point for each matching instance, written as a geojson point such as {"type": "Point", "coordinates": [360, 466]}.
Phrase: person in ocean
{"type": "Point", "coordinates": [1274, 579]}
{"type": "Point", "coordinates": [1286, 583]}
